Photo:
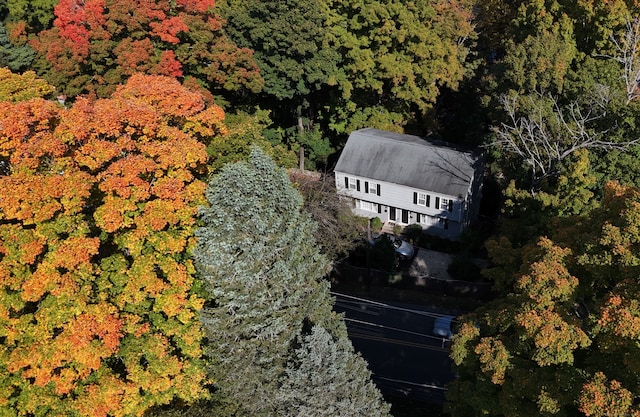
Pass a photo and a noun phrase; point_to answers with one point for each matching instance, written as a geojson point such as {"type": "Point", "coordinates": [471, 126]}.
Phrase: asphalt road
{"type": "Point", "coordinates": [397, 341]}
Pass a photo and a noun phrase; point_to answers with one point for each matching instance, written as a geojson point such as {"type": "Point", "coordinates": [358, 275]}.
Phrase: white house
{"type": "Point", "coordinates": [406, 179]}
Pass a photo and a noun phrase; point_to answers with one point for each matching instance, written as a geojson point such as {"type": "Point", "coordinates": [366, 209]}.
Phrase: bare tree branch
{"type": "Point", "coordinates": [543, 140]}
{"type": "Point", "coordinates": [628, 55]}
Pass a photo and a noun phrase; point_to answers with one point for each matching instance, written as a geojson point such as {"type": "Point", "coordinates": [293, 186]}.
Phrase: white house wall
{"type": "Point", "coordinates": [402, 198]}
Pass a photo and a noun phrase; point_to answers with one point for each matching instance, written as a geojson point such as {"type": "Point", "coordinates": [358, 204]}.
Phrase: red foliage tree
{"type": "Point", "coordinates": [96, 44]}
{"type": "Point", "coordinates": [98, 303]}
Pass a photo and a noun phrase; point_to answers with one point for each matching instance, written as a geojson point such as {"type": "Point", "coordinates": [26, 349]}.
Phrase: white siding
{"type": "Point", "coordinates": [402, 198]}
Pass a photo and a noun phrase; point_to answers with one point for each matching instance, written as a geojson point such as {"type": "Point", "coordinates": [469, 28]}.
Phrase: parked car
{"type": "Point", "coordinates": [403, 249]}
{"type": "Point", "coordinates": [442, 327]}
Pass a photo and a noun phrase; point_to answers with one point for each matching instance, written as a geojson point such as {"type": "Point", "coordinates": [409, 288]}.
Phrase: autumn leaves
{"type": "Point", "coordinates": [96, 220]}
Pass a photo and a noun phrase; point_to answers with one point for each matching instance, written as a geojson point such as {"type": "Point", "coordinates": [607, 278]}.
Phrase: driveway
{"type": "Point", "coordinates": [430, 264]}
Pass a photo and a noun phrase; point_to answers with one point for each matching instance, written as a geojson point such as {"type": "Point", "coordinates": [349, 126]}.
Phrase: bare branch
{"type": "Point", "coordinates": [543, 140]}
{"type": "Point", "coordinates": [628, 55]}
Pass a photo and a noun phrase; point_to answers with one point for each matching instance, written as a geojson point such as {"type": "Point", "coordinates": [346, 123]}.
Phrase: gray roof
{"type": "Point", "coordinates": [409, 160]}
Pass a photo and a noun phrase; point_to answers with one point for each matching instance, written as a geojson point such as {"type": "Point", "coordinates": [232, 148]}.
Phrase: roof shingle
{"type": "Point", "coordinates": [426, 164]}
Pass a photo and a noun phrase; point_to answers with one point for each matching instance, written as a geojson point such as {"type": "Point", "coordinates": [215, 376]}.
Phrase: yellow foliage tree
{"type": "Point", "coordinates": [98, 302]}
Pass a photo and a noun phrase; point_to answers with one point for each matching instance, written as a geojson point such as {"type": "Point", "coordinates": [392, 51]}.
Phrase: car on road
{"type": "Point", "coordinates": [442, 327]}
{"type": "Point", "coordinates": [404, 250]}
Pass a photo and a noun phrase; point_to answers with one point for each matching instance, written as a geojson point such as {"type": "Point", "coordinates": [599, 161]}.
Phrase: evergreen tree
{"type": "Point", "coordinates": [322, 378]}
{"type": "Point", "coordinates": [257, 254]}
{"type": "Point", "coordinates": [14, 57]}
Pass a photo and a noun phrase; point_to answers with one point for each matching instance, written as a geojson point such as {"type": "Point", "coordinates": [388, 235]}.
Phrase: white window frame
{"type": "Point", "coordinates": [429, 220]}
{"type": "Point", "coordinates": [353, 183]}
{"type": "Point", "coordinates": [422, 199]}
{"type": "Point", "coordinates": [373, 188]}
{"type": "Point", "coordinates": [447, 203]}
{"type": "Point", "coordinates": [368, 206]}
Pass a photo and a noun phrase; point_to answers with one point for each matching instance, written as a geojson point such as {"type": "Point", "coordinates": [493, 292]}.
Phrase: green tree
{"type": "Point", "coordinates": [259, 259]}
{"type": "Point", "coordinates": [349, 64]}
{"type": "Point", "coordinates": [14, 57]}
{"type": "Point", "coordinates": [561, 339]}
{"type": "Point", "coordinates": [325, 377]}
{"type": "Point", "coordinates": [398, 55]}
{"type": "Point", "coordinates": [245, 131]}
{"type": "Point", "coordinates": [291, 45]}
{"type": "Point", "coordinates": [36, 14]}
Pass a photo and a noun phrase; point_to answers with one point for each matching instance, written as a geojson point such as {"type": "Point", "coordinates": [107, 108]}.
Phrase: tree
{"type": "Point", "coordinates": [14, 57]}
{"type": "Point", "coordinates": [98, 44]}
{"type": "Point", "coordinates": [341, 229]}
{"type": "Point", "coordinates": [245, 131]}
{"type": "Point", "coordinates": [259, 259]}
{"type": "Point", "coordinates": [15, 88]}
{"type": "Point", "coordinates": [627, 54]}
{"type": "Point", "coordinates": [547, 134]}
{"type": "Point", "coordinates": [98, 301]}
{"type": "Point", "coordinates": [354, 64]}
{"type": "Point", "coordinates": [396, 56]}
{"type": "Point", "coordinates": [36, 14]}
{"type": "Point", "coordinates": [326, 378]}
{"type": "Point", "coordinates": [554, 342]}
{"type": "Point", "coordinates": [291, 44]}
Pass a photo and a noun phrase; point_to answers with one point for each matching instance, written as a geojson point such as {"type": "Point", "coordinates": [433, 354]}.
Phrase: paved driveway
{"type": "Point", "coordinates": [430, 263]}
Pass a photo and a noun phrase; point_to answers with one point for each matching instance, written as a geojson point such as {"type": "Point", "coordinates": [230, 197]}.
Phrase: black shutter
{"type": "Point", "coordinates": [346, 183]}
{"type": "Point", "coordinates": [437, 203]}
{"type": "Point", "coordinates": [379, 208]}
{"type": "Point", "coordinates": [450, 205]}
{"type": "Point", "coordinates": [415, 198]}
{"type": "Point", "coordinates": [428, 200]}
{"type": "Point", "coordinates": [358, 185]}
{"type": "Point", "coordinates": [366, 186]}
{"type": "Point", "coordinates": [378, 189]}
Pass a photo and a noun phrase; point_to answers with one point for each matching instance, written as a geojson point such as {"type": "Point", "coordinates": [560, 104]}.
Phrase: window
{"type": "Point", "coordinates": [444, 204]}
{"type": "Point", "coordinates": [371, 188]}
{"type": "Point", "coordinates": [421, 199]}
{"type": "Point", "coordinates": [353, 184]}
{"type": "Point", "coordinates": [428, 220]}
{"type": "Point", "coordinates": [368, 206]}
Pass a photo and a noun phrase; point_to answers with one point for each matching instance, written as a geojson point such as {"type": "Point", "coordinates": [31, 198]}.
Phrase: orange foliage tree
{"type": "Point", "coordinates": [564, 339]}
{"type": "Point", "coordinates": [97, 44]}
{"type": "Point", "coordinates": [98, 302]}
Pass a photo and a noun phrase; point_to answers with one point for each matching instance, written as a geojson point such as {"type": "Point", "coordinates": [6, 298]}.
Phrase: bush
{"type": "Point", "coordinates": [462, 268]}
{"type": "Point", "coordinates": [376, 224]}
{"type": "Point", "coordinates": [413, 234]}
{"type": "Point", "coordinates": [382, 255]}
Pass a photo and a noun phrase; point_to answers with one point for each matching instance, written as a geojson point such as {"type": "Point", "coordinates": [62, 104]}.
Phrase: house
{"type": "Point", "coordinates": [406, 179]}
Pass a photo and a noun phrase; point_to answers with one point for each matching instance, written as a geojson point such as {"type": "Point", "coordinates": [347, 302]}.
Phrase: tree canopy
{"type": "Point", "coordinates": [563, 337]}
{"type": "Point", "coordinates": [269, 315]}
{"type": "Point", "coordinates": [350, 65]}
{"type": "Point", "coordinates": [95, 45]}
{"type": "Point", "coordinates": [98, 301]}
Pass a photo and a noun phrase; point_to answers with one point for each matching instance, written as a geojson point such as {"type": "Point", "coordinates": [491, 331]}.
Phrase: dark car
{"type": "Point", "coordinates": [404, 250]}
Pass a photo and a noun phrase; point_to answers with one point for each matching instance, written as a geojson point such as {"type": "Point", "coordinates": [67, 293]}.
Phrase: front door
{"type": "Point", "coordinates": [405, 216]}
{"type": "Point", "coordinates": [392, 214]}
